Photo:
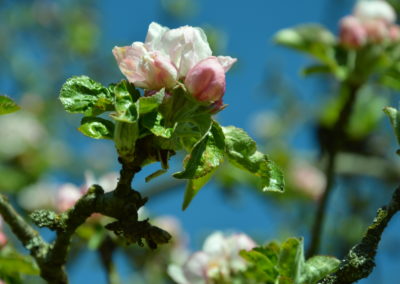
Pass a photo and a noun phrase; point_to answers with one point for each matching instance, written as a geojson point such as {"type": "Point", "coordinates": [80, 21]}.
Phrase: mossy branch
{"type": "Point", "coordinates": [121, 204]}
{"type": "Point", "coordinates": [360, 261]}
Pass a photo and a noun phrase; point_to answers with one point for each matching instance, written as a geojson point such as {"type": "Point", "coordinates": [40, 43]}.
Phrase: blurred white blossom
{"type": "Point", "coordinates": [307, 178]}
{"type": "Point", "coordinates": [219, 260]}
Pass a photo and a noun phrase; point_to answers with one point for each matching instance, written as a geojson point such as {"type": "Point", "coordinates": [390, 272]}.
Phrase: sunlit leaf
{"type": "Point", "coordinates": [97, 128]}
{"type": "Point", "coordinates": [206, 155]}
{"type": "Point", "coordinates": [193, 187]}
{"type": "Point", "coordinates": [7, 105]}
{"type": "Point", "coordinates": [84, 95]}
{"type": "Point", "coordinates": [291, 259]}
{"type": "Point", "coordinates": [310, 38]}
{"type": "Point", "coordinates": [125, 107]}
{"type": "Point", "coordinates": [317, 268]}
{"type": "Point", "coordinates": [242, 152]}
{"type": "Point", "coordinates": [150, 103]}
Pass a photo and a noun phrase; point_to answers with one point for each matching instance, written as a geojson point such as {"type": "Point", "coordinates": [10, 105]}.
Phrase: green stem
{"type": "Point", "coordinates": [336, 136]}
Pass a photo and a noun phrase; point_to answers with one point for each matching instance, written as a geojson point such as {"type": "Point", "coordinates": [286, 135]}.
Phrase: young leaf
{"type": "Point", "coordinates": [193, 187]}
{"type": "Point", "coordinates": [310, 38]}
{"type": "Point", "coordinates": [12, 262]}
{"type": "Point", "coordinates": [150, 103]}
{"type": "Point", "coordinates": [206, 155]}
{"type": "Point", "coordinates": [97, 128]}
{"type": "Point", "coordinates": [242, 152]}
{"type": "Point", "coordinates": [262, 263]}
{"type": "Point", "coordinates": [84, 95]}
{"type": "Point", "coordinates": [7, 105]}
{"type": "Point", "coordinates": [153, 122]}
{"type": "Point", "coordinates": [291, 259]}
{"type": "Point", "coordinates": [124, 105]}
{"type": "Point", "coordinates": [394, 117]}
{"type": "Point", "coordinates": [317, 268]}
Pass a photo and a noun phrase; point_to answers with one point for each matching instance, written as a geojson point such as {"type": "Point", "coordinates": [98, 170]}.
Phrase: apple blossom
{"type": "Point", "coordinates": [206, 80]}
{"type": "Point", "coordinates": [372, 22]}
{"type": "Point", "coordinates": [352, 32]}
{"type": "Point", "coordinates": [3, 237]}
{"type": "Point", "coordinates": [144, 68]}
{"type": "Point", "coordinates": [308, 179]}
{"type": "Point", "coordinates": [375, 10]}
{"type": "Point", "coordinates": [185, 46]}
{"type": "Point", "coordinates": [219, 259]}
{"type": "Point", "coordinates": [394, 33]}
{"type": "Point", "coordinates": [170, 55]}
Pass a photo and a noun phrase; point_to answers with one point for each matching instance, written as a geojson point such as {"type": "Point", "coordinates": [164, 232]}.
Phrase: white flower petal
{"type": "Point", "coordinates": [226, 62]}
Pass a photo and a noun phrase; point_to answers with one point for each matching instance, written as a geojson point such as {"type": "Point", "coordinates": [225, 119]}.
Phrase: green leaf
{"type": "Point", "coordinates": [291, 259]}
{"type": "Point", "coordinates": [7, 105]}
{"type": "Point", "coordinates": [262, 263]}
{"type": "Point", "coordinates": [394, 117]}
{"type": "Point", "coordinates": [206, 155]}
{"type": "Point", "coordinates": [242, 152]}
{"type": "Point", "coordinates": [193, 187]}
{"type": "Point", "coordinates": [12, 262]}
{"type": "Point", "coordinates": [97, 128]}
{"type": "Point", "coordinates": [125, 107]}
{"type": "Point", "coordinates": [153, 121]}
{"type": "Point", "coordinates": [84, 95]}
{"type": "Point", "coordinates": [313, 39]}
{"type": "Point", "coordinates": [150, 103]}
{"type": "Point", "coordinates": [316, 69]}
{"type": "Point", "coordinates": [317, 268]}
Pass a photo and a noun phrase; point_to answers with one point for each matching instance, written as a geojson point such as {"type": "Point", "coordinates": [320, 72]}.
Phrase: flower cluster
{"type": "Point", "coordinates": [371, 22]}
{"type": "Point", "coordinates": [169, 56]}
{"type": "Point", "coordinates": [218, 261]}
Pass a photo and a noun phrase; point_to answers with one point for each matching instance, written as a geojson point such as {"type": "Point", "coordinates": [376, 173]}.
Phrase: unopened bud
{"type": "Point", "coordinates": [206, 80]}
{"type": "Point", "coordinates": [352, 32]}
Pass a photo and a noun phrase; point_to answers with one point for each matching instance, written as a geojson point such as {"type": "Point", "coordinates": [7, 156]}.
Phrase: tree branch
{"type": "Point", "coordinates": [121, 204]}
{"type": "Point", "coordinates": [360, 261]}
{"type": "Point", "coordinates": [28, 236]}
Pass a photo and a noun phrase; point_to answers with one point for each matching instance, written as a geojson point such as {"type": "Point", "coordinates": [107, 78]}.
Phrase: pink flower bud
{"type": "Point", "coordinates": [3, 240]}
{"type": "Point", "coordinates": [352, 32]}
{"type": "Point", "coordinates": [377, 30]}
{"type": "Point", "coordinates": [3, 237]}
{"type": "Point", "coordinates": [206, 80]}
{"type": "Point", "coordinates": [394, 32]}
{"type": "Point", "coordinates": [145, 69]}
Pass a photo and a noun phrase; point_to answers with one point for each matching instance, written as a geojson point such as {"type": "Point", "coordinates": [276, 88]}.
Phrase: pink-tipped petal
{"type": "Point", "coordinates": [206, 80]}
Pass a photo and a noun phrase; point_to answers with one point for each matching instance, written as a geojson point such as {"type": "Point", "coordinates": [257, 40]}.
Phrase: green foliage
{"type": "Point", "coordinates": [242, 152]}
{"type": "Point", "coordinates": [285, 263]}
{"type": "Point", "coordinates": [394, 117]}
{"type": "Point", "coordinates": [170, 122]}
{"type": "Point", "coordinates": [97, 128]}
{"type": "Point", "coordinates": [7, 105]}
{"type": "Point", "coordinates": [125, 107]}
{"type": "Point", "coordinates": [14, 265]}
{"type": "Point", "coordinates": [309, 38]}
{"type": "Point", "coordinates": [84, 95]}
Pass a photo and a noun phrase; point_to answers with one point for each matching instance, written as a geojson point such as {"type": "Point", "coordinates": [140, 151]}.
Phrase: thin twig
{"type": "Point", "coordinates": [336, 137]}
